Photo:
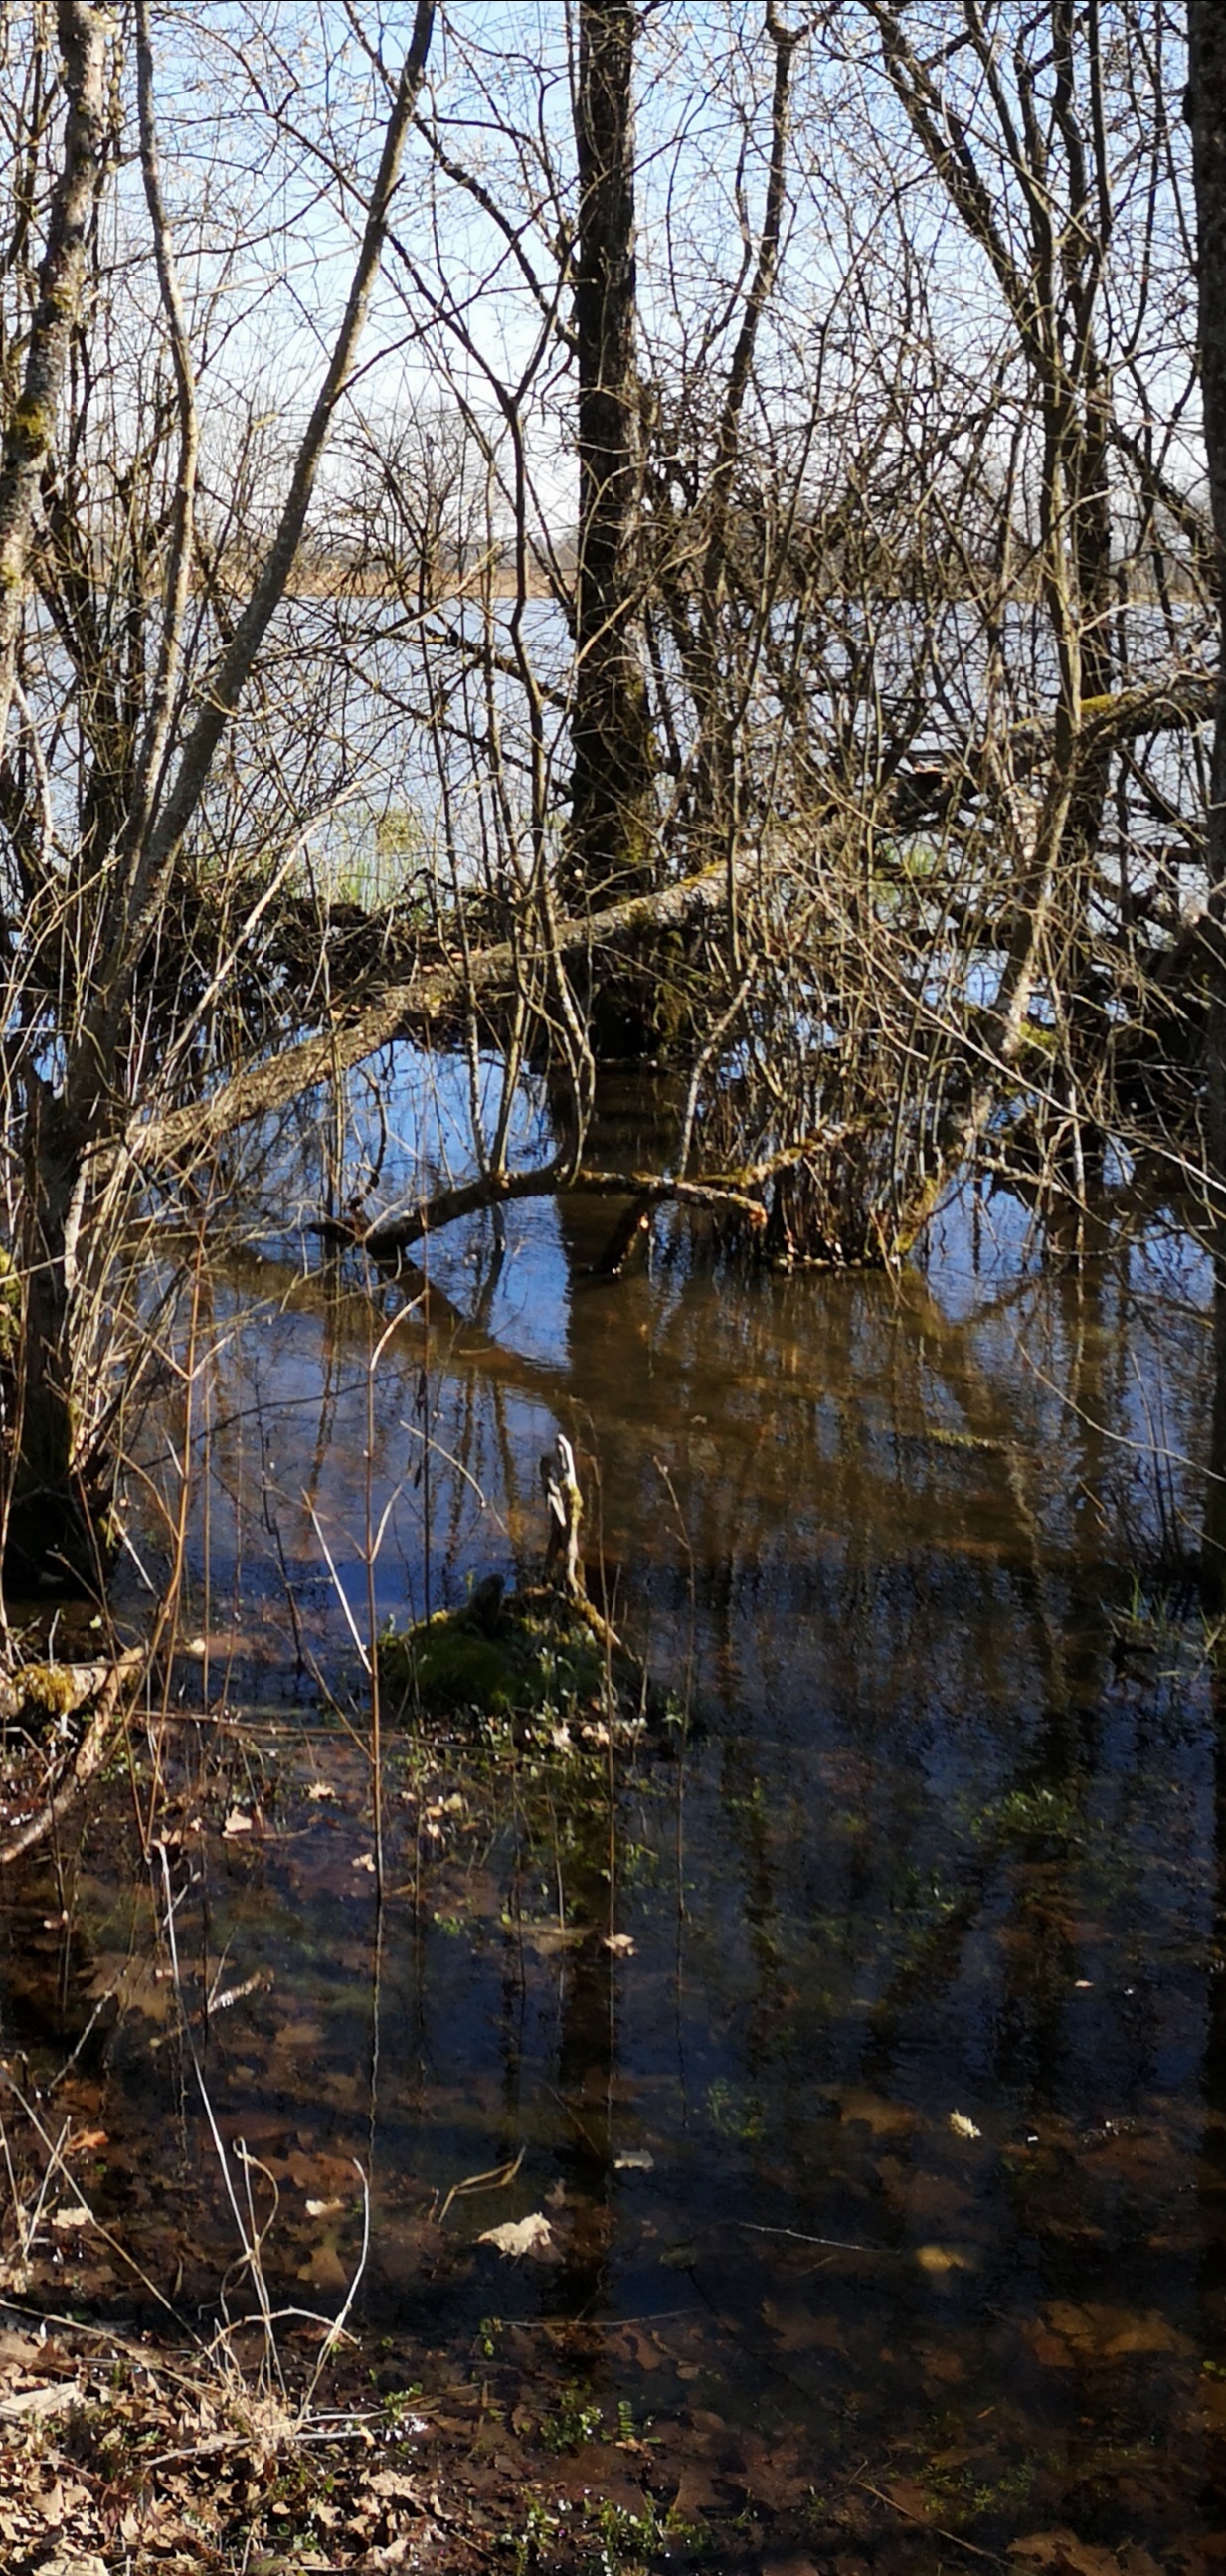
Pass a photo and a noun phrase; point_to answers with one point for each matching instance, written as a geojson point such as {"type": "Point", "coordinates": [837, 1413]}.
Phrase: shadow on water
{"type": "Point", "coordinates": [860, 2036]}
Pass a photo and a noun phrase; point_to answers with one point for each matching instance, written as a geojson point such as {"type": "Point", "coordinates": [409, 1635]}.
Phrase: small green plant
{"type": "Point", "coordinates": [539, 2528]}
{"type": "Point", "coordinates": [398, 2402]}
{"type": "Point", "coordinates": [628, 2542]}
{"type": "Point", "coordinates": [733, 2111]}
{"type": "Point", "coordinates": [572, 2422]}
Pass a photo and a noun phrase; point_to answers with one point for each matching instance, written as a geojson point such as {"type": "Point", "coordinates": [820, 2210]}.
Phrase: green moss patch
{"type": "Point", "coordinates": [499, 1657]}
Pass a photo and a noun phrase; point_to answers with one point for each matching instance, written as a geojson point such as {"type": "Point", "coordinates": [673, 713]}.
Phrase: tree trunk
{"type": "Point", "coordinates": [612, 798]}
{"type": "Point", "coordinates": [1206, 110]}
{"type": "Point", "coordinates": [53, 1541]}
{"type": "Point", "coordinates": [29, 429]}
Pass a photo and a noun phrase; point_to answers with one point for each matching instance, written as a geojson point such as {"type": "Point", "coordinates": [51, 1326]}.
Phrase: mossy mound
{"type": "Point", "coordinates": [501, 1656]}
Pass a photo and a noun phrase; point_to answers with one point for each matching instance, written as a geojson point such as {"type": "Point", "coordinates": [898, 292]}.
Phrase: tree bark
{"type": "Point", "coordinates": [612, 797]}
{"type": "Point", "coordinates": [29, 430]}
{"type": "Point", "coordinates": [1206, 111]}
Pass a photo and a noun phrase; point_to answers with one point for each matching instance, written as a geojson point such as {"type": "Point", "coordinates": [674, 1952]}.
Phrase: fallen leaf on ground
{"type": "Point", "coordinates": [937, 2259]}
{"type": "Point", "coordinates": [962, 2127]}
{"type": "Point", "coordinates": [519, 2236]}
{"type": "Point", "coordinates": [545, 1938]}
{"type": "Point", "coordinates": [42, 2401]}
{"type": "Point", "coordinates": [236, 1823]}
{"type": "Point", "coordinates": [1114, 2334]}
{"type": "Point", "coordinates": [1064, 2555]}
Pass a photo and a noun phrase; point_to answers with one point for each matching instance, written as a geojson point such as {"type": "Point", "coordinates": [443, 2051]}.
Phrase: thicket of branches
{"type": "Point", "coordinates": [606, 537]}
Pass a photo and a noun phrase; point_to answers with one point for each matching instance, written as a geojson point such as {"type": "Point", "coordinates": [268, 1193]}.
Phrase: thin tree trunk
{"type": "Point", "coordinates": [1206, 109]}
{"type": "Point", "coordinates": [612, 798]}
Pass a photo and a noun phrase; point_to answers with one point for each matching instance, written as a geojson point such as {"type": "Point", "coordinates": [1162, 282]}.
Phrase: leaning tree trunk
{"type": "Point", "coordinates": [612, 798]}
{"type": "Point", "coordinates": [1206, 108]}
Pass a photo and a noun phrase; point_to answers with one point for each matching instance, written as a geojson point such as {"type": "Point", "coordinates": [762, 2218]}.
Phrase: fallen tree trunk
{"type": "Point", "coordinates": [919, 797]}
{"type": "Point", "coordinates": [437, 992]}
{"type": "Point", "coordinates": [432, 995]}
{"type": "Point", "coordinates": [105, 1684]}
{"type": "Point", "coordinates": [389, 1236]}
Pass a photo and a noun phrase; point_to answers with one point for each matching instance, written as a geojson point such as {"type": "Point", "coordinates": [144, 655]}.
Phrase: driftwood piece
{"type": "Point", "coordinates": [563, 1569]}
{"type": "Point", "coordinates": [564, 1505]}
{"type": "Point", "coordinates": [109, 1682]}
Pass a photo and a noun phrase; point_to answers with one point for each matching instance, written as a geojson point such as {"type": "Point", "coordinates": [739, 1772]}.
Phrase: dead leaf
{"type": "Point", "coordinates": [1115, 2334]}
{"type": "Point", "coordinates": [545, 1938]}
{"type": "Point", "coordinates": [236, 1823]}
{"type": "Point", "coordinates": [323, 2208]}
{"type": "Point", "coordinates": [532, 2236]}
{"type": "Point", "coordinates": [394, 2487]}
{"type": "Point", "coordinates": [37, 2402]}
{"type": "Point", "coordinates": [620, 1943]}
{"type": "Point", "coordinates": [962, 2127]}
{"type": "Point", "coordinates": [700, 2491]}
{"type": "Point", "coordinates": [74, 2214]}
{"type": "Point", "coordinates": [940, 2259]}
{"type": "Point", "coordinates": [885, 2119]}
{"type": "Point", "coordinates": [325, 2271]}
{"type": "Point", "coordinates": [909, 2497]}
{"type": "Point", "coordinates": [796, 2329]}
{"type": "Point", "coordinates": [1064, 2554]}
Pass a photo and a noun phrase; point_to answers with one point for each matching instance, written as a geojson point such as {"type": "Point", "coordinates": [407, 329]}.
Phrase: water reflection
{"type": "Point", "coordinates": [900, 2088]}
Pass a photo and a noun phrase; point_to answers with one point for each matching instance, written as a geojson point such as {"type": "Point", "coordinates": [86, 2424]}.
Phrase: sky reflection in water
{"type": "Point", "coordinates": [944, 1834]}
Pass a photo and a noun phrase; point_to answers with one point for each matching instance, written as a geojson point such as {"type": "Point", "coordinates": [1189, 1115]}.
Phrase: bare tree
{"type": "Point", "coordinates": [88, 894]}
{"type": "Point", "coordinates": [758, 598]}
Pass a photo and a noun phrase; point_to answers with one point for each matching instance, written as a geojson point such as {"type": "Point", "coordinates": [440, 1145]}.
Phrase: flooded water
{"type": "Point", "coordinates": [858, 2032]}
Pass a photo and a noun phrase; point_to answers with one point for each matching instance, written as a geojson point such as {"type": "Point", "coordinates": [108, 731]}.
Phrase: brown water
{"type": "Point", "coordinates": [888, 2140]}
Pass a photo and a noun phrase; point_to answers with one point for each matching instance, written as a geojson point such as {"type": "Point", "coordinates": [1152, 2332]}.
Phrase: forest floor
{"type": "Point", "coordinates": [120, 2452]}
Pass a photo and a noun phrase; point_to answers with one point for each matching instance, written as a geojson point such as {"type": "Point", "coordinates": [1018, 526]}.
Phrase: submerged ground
{"type": "Point", "coordinates": [854, 2034]}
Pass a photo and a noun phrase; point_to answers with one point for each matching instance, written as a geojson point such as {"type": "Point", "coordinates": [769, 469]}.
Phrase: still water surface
{"type": "Point", "coordinates": [862, 2031]}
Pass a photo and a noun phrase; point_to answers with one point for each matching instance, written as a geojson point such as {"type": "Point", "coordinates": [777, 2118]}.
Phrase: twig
{"type": "Point", "coordinates": [839, 2244]}
{"type": "Point", "coordinates": [954, 2538]}
{"type": "Point", "coordinates": [495, 2180]}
